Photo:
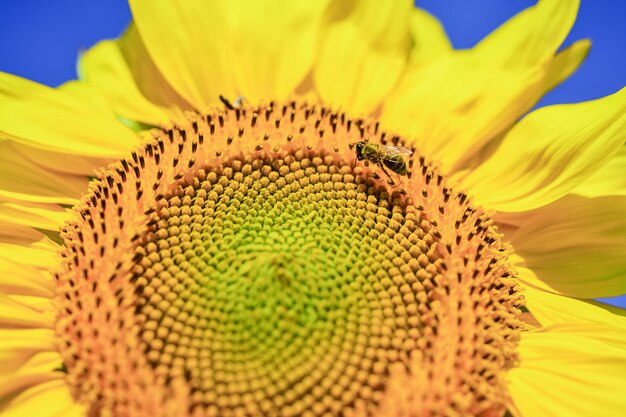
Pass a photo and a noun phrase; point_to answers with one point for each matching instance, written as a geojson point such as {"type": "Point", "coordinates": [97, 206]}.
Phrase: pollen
{"type": "Point", "coordinates": [244, 263]}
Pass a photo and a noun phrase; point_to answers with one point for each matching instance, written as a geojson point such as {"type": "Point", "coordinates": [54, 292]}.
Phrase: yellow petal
{"type": "Point", "coordinates": [430, 41]}
{"type": "Point", "coordinates": [21, 279]}
{"type": "Point", "coordinates": [37, 369]}
{"type": "Point", "coordinates": [60, 163]}
{"type": "Point", "coordinates": [256, 49]}
{"type": "Point", "coordinates": [470, 102]}
{"type": "Point", "coordinates": [531, 36]}
{"type": "Point", "coordinates": [17, 346]}
{"type": "Point", "coordinates": [608, 180]}
{"type": "Point", "coordinates": [26, 245]}
{"type": "Point", "coordinates": [24, 180]}
{"type": "Point", "coordinates": [565, 63]}
{"type": "Point", "coordinates": [69, 119]}
{"type": "Point", "coordinates": [549, 153]}
{"type": "Point", "coordinates": [549, 308]}
{"type": "Point", "coordinates": [452, 106]}
{"type": "Point", "coordinates": [576, 246]}
{"type": "Point", "coordinates": [51, 398]}
{"type": "Point", "coordinates": [54, 394]}
{"type": "Point", "coordinates": [104, 68]}
{"type": "Point", "coordinates": [363, 51]}
{"type": "Point", "coordinates": [191, 53]}
{"type": "Point", "coordinates": [17, 314]}
{"type": "Point", "coordinates": [146, 75]}
{"type": "Point", "coordinates": [37, 215]}
{"type": "Point", "coordinates": [574, 370]}
{"type": "Point", "coordinates": [18, 234]}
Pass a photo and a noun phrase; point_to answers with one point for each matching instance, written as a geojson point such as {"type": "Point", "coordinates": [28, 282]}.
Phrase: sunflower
{"type": "Point", "coordinates": [374, 230]}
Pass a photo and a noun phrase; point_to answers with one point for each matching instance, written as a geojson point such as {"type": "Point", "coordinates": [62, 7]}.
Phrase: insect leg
{"type": "Point", "coordinates": [389, 180]}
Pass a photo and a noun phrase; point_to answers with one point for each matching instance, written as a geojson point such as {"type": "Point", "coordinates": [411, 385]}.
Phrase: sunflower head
{"type": "Point", "coordinates": [350, 240]}
{"type": "Point", "coordinates": [244, 262]}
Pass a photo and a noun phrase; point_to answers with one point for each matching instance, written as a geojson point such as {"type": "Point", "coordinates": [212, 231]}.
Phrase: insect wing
{"type": "Point", "coordinates": [397, 150]}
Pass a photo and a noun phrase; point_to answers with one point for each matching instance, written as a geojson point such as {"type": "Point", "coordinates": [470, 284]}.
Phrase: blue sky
{"type": "Point", "coordinates": [40, 39]}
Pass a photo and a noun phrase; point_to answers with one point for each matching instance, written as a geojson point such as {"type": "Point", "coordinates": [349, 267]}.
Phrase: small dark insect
{"type": "Point", "coordinates": [232, 106]}
{"type": "Point", "coordinates": [391, 157]}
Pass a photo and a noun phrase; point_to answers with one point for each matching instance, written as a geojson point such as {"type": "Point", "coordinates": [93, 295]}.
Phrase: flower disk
{"type": "Point", "coordinates": [242, 263]}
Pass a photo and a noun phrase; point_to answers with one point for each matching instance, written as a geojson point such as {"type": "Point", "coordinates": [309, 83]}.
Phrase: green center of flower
{"type": "Point", "coordinates": [246, 263]}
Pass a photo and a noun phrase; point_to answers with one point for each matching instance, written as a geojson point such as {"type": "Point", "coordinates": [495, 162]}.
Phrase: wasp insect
{"type": "Point", "coordinates": [232, 106]}
{"type": "Point", "coordinates": [391, 157]}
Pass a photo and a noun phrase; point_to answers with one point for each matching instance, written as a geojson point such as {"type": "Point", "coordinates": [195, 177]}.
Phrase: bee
{"type": "Point", "coordinates": [232, 106]}
{"type": "Point", "coordinates": [391, 157]}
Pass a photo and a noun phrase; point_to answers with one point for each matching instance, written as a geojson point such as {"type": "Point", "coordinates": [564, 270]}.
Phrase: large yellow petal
{"type": "Point", "coordinates": [37, 215]}
{"type": "Point", "coordinates": [549, 309]}
{"type": "Point", "coordinates": [574, 370]}
{"type": "Point", "coordinates": [24, 180]}
{"type": "Point", "coordinates": [37, 369]}
{"type": "Point", "coordinates": [532, 36]}
{"type": "Point", "coordinates": [17, 314]}
{"type": "Point", "coordinates": [70, 119]}
{"type": "Point", "coordinates": [565, 63]}
{"type": "Point", "coordinates": [104, 68]}
{"type": "Point", "coordinates": [146, 75]}
{"type": "Point", "coordinates": [26, 259]}
{"type": "Point", "coordinates": [363, 51]}
{"type": "Point", "coordinates": [62, 163]}
{"type": "Point", "coordinates": [549, 153]}
{"type": "Point", "coordinates": [17, 346]}
{"type": "Point", "coordinates": [454, 106]}
{"type": "Point", "coordinates": [22, 279]}
{"type": "Point", "coordinates": [608, 180]}
{"type": "Point", "coordinates": [256, 49]}
{"type": "Point", "coordinates": [430, 41]}
{"type": "Point", "coordinates": [575, 246]}
{"type": "Point", "coordinates": [27, 246]}
{"type": "Point", "coordinates": [18, 234]}
{"type": "Point", "coordinates": [56, 396]}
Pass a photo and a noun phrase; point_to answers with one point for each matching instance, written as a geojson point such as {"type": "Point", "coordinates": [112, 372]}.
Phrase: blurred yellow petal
{"type": "Point", "coordinates": [532, 36]}
{"type": "Point", "coordinates": [25, 180]}
{"type": "Point", "coordinates": [56, 396]}
{"type": "Point", "coordinates": [37, 369]}
{"type": "Point", "coordinates": [549, 153]}
{"type": "Point", "coordinates": [103, 67]}
{"type": "Point", "coordinates": [430, 41]}
{"type": "Point", "coordinates": [549, 308]}
{"type": "Point", "coordinates": [565, 63]}
{"type": "Point", "coordinates": [27, 246]}
{"type": "Point", "coordinates": [608, 180]}
{"type": "Point", "coordinates": [38, 215]}
{"type": "Point", "coordinates": [22, 279]}
{"type": "Point", "coordinates": [17, 346]}
{"type": "Point", "coordinates": [69, 119]}
{"type": "Point", "coordinates": [16, 314]}
{"type": "Point", "coordinates": [37, 255]}
{"type": "Point", "coordinates": [363, 51]}
{"type": "Point", "coordinates": [574, 370]}
{"type": "Point", "coordinates": [18, 234]}
{"type": "Point", "coordinates": [230, 48]}
{"type": "Point", "coordinates": [576, 246]}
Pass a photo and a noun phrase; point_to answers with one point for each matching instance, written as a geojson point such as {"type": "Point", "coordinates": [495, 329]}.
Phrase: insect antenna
{"type": "Point", "coordinates": [227, 103]}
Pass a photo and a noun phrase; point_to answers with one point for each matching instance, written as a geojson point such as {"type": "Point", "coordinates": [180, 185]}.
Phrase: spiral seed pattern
{"type": "Point", "coordinates": [243, 264]}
